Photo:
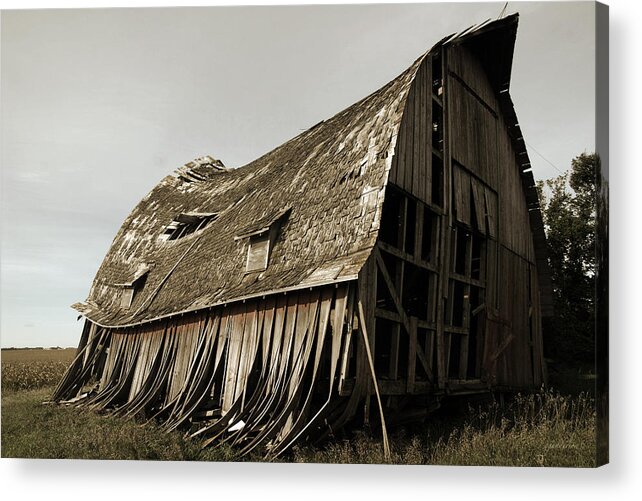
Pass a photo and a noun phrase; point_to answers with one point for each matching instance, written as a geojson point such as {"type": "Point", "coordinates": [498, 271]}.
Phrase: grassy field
{"type": "Point", "coordinates": [544, 429]}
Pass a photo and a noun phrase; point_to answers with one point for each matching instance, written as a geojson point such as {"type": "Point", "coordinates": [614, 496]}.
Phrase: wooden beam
{"type": "Point", "coordinates": [502, 347]}
{"type": "Point", "coordinates": [417, 261]}
{"type": "Point", "coordinates": [364, 332]}
{"type": "Point", "coordinates": [393, 387]}
{"type": "Point", "coordinates": [387, 315]}
{"type": "Point", "coordinates": [393, 368]}
{"type": "Point", "coordinates": [463, 360]}
{"type": "Point", "coordinates": [430, 348]}
{"type": "Point", "coordinates": [426, 116]}
{"type": "Point", "coordinates": [338, 326]}
{"type": "Point", "coordinates": [478, 310]}
{"type": "Point", "coordinates": [395, 297]}
{"type": "Point", "coordinates": [393, 291]}
{"type": "Point", "coordinates": [367, 288]}
{"type": "Point", "coordinates": [456, 330]}
{"type": "Point", "coordinates": [419, 227]}
{"type": "Point", "coordinates": [445, 224]}
{"type": "Point", "coordinates": [394, 317]}
{"type": "Point", "coordinates": [424, 362]}
{"type": "Point", "coordinates": [412, 355]}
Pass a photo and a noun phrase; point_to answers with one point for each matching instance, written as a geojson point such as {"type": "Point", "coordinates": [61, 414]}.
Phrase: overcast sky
{"type": "Point", "coordinates": [98, 105]}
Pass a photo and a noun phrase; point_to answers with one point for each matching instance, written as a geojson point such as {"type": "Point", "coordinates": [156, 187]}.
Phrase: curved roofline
{"type": "Point", "coordinates": [379, 113]}
{"type": "Point", "coordinates": [206, 170]}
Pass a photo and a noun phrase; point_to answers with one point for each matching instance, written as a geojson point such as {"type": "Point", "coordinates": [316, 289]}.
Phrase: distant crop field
{"type": "Point", "coordinates": [29, 369]}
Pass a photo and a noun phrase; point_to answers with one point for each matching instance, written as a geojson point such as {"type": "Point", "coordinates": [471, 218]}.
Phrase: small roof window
{"type": "Point", "coordinates": [186, 224]}
{"type": "Point", "coordinates": [258, 253]}
{"type": "Point", "coordinates": [262, 236]}
{"type": "Point", "coordinates": [128, 289]}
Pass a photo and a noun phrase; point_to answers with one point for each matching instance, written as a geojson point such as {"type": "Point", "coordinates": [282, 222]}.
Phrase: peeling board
{"type": "Point", "coordinates": [461, 189]}
{"type": "Point", "coordinates": [491, 212]}
{"type": "Point", "coordinates": [480, 205]}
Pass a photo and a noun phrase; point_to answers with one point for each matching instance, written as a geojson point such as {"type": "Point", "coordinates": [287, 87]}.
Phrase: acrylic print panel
{"type": "Point", "coordinates": [435, 290]}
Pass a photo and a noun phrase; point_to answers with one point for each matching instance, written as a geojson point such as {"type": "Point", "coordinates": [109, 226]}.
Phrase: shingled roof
{"type": "Point", "coordinates": [330, 179]}
{"type": "Point", "coordinates": [328, 182]}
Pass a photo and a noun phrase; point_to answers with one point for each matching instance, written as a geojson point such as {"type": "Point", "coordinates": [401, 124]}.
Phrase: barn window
{"type": "Point", "coordinates": [416, 282]}
{"type": "Point", "coordinates": [437, 127]}
{"type": "Point", "coordinates": [258, 252]}
{"type": "Point", "coordinates": [429, 235]}
{"type": "Point", "coordinates": [437, 83]}
{"type": "Point", "coordinates": [386, 340]}
{"type": "Point", "coordinates": [186, 224]}
{"type": "Point", "coordinates": [411, 222]}
{"type": "Point", "coordinates": [261, 238]}
{"type": "Point", "coordinates": [391, 227]}
{"type": "Point", "coordinates": [126, 297]}
{"type": "Point", "coordinates": [129, 289]}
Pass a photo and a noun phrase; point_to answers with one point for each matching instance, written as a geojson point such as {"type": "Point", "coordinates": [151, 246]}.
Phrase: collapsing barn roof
{"type": "Point", "coordinates": [272, 369]}
{"type": "Point", "coordinates": [324, 188]}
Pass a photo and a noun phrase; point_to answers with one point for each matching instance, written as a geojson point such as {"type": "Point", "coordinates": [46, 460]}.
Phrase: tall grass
{"type": "Point", "coordinates": [33, 430]}
{"type": "Point", "coordinates": [545, 429]}
{"type": "Point", "coordinates": [542, 429]}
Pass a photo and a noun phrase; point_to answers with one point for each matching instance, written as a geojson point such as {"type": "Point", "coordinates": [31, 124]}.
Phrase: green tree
{"type": "Point", "coordinates": [569, 211]}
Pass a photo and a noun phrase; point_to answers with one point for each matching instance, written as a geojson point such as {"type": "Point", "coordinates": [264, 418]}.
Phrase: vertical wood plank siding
{"type": "Point", "coordinates": [412, 164]}
{"type": "Point", "coordinates": [483, 193]}
{"type": "Point", "coordinates": [481, 146]}
{"type": "Point", "coordinates": [256, 364]}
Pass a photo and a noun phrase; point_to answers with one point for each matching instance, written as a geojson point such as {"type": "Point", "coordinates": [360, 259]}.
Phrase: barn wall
{"type": "Point", "coordinates": [455, 155]}
{"type": "Point", "coordinates": [480, 144]}
{"type": "Point", "coordinates": [271, 363]}
{"type": "Point", "coordinates": [514, 224]}
{"type": "Point", "coordinates": [473, 129]}
{"type": "Point", "coordinates": [412, 164]}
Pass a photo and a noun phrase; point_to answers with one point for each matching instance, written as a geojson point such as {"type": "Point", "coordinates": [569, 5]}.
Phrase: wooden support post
{"type": "Point", "coordinates": [445, 225]}
{"type": "Point", "coordinates": [366, 294]}
{"type": "Point", "coordinates": [366, 412]}
{"type": "Point", "coordinates": [412, 355]}
{"type": "Point", "coordinates": [465, 340]}
{"type": "Point", "coordinates": [362, 323]}
{"type": "Point", "coordinates": [398, 282]}
{"type": "Point", "coordinates": [400, 310]}
{"type": "Point", "coordinates": [339, 323]}
{"type": "Point", "coordinates": [426, 116]}
{"type": "Point", "coordinates": [419, 227]}
{"type": "Point", "coordinates": [393, 370]}
{"type": "Point", "coordinates": [430, 348]}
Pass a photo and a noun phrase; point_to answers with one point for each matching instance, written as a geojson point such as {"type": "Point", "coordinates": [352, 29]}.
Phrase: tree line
{"type": "Point", "coordinates": [569, 205]}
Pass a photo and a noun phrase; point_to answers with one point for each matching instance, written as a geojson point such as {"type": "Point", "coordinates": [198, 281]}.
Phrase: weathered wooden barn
{"type": "Point", "coordinates": [237, 302]}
